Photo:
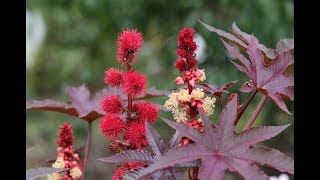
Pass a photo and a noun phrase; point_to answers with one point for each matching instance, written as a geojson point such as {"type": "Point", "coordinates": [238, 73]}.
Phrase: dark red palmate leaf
{"type": "Point", "coordinates": [241, 40]}
{"type": "Point", "coordinates": [83, 104]}
{"type": "Point", "coordinates": [214, 89]}
{"type": "Point", "coordinates": [269, 79]}
{"type": "Point", "coordinates": [220, 148]}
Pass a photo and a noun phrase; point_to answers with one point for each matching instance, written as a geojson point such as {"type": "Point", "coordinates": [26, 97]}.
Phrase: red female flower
{"type": "Point", "coordinates": [65, 138]}
{"type": "Point", "coordinates": [111, 126]}
{"type": "Point", "coordinates": [134, 83]}
{"type": "Point", "coordinates": [118, 173]}
{"type": "Point", "coordinates": [136, 135]}
{"type": "Point", "coordinates": [111, 104]}
{"type": "Point", "coordinates": [129, 42]}
{"type": "Point", "coordinates": [145, 111]}
{"type": "Point", "coordinates": [181, 65]}
{"type": "Point", "coordinates": [113, 77]}
{"type": "Point", "coordinates": [186, 48]}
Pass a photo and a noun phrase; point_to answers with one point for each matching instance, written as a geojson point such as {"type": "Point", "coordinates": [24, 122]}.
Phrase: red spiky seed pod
{"type": "Point", "coordinates": [111, 126]}
{"type": "Point", "coordinates": [133, 165]}
{"type": "Point", "coordinates": [145, 111]}
{"type": "Point", "coordinates": [136, 135]}
{"type": "Point", "coordinates": [113, 77]}
{"type": "Point", "coordinates": [129, 43]}
{"type": "Point", "coordinates": [134, 83]}
{"type": "Point", "coordinates": [118, 173]}
{"type": "Point", "coordinates": [111, 104]}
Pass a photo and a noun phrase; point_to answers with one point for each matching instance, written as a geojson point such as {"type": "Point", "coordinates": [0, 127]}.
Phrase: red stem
{"type": "Point", "coordinates": [244, 107]}
{"type": "Point", "coordinates": [220, 98]}
{"type": "Point", "coordinates": [86, 154]}
{"type": "Point", "coordinates": [256, 112]}
{"type": "Point", "coordinates": [129, 95]}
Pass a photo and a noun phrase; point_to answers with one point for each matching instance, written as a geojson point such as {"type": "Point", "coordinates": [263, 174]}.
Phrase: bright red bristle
{"type": "Point", "coordinates": [134, 83]}
{"type": "Point", "coordinates": [136, 135]}
{"type": "Point", "coordinates": [129, 43]}
{"type": "Point", "coordinates": [111, 104]}
{"type": "Point", "coordinates": [146, 111]}
{"type": "Point", "coordinates": [133, 165]}
{"type": "Point", "coordinates": [113, 77]}
{"type": "Point", "coordinates": [118, 173]}
{"type": "Point", "coordinates": [111, 126]}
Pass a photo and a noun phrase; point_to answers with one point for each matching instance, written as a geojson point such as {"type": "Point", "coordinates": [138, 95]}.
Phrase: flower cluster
{"type": "Point", "coordinates": [123, 118]}
{"type": "Point", "coordinates": [181, 103]}
{"type": "Point", "coordinates": [66, 157]}
{"type": "Point", "coordinates": [184, 103]}
{"type": "Point", "coordinates": [191, 77]}
{"type": "Point", "coordinates": [186, 50]}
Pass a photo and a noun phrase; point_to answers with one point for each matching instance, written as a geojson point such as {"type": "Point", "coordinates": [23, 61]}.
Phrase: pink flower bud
{"type": "Point", "coordinates": [179, 80]}
{"type": "Point", "coordinates": [191, 82]}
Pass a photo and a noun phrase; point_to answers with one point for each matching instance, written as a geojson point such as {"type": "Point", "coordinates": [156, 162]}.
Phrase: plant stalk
{"type": "Point", "coordinates": [244, 107]}
{"type": "Point", "coordinates": [86, 153]}
{"type": "Point", "coordinates": [256, 112]}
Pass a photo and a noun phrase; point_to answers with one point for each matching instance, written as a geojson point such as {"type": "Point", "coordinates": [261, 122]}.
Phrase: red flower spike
{"type": "Point", "coordinates": [181, 65]}
{"type": "Point", "coordinates": [118, 173]}
{"type": "Point", "coordinates": [65, 138]}
{"type": "Point", "coordinates": [129, 42]}
{"type": "Point", "coordinates": [186, 48]}
{"type": "Point", "coordinates": [113, 77]}
{"type": "Point", "coordinates": [111, 104]}
{"type": "Point", "coordinates": [192, 62]}
{"type": "Point", "coordinates": [111, 126]}
{"type": "Point", "coordinates": [146, 111]}
{"type": "Point", "coordinates": [134, 83]}
{"type": "Point", "coordinates": [136, 135]}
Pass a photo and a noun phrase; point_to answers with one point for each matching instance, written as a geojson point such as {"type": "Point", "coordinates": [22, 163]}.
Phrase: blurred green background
{"type": "Point", "coordinates": [77, 43]}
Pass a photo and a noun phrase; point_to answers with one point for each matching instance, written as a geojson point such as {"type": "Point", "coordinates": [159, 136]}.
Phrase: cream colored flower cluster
{"type": "Point", "coordinates": [75, 172]}
{"type": "Point", "coordinates": [177, 103]}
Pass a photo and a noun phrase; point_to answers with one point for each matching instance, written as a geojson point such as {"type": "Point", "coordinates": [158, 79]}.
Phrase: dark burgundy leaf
{"type": "Point", "coordinates": [83, 104]}
{"type": "Point", "coordinates": [154, 140]}
{"type": "Point", "coordinates": [241, 40]}
{"type": "Point", "coordinates": [226, 36]}
{"type": "Point", "coordinates": [175, 140]}
{"type": "Point", "coordinates": [152, 93]}
{"type": "Point", "coordinates": [269, 79]}
{"type": "Point", "coordinates": [159, 149]}
{"type": "Point", "coordinates": [129, 156]}
{"type": "Point", "coordinates": [220, 148]}
{"type": "Point", "coordinates": [32, 174]}
{"type": "Point", "coordinates": [214, 89]}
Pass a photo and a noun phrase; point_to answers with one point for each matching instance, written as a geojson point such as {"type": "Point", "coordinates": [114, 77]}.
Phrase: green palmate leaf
{"type": "Point", "coordinates": [219, 148]}
{"type": "Point", "coordinates": [40, 172]}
